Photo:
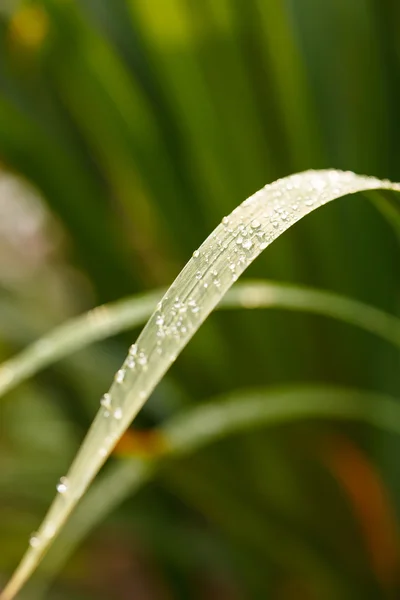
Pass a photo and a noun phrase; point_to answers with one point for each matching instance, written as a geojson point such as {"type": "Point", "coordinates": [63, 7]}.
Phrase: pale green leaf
{"type": "Point", "coordinates": [205, 424]}
{"type": "Point", "coordinates": [221, 259]}
{"type": "Point", "coordinates": [110, 319]}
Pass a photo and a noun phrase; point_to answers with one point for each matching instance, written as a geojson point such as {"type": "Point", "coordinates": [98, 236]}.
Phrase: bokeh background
{"type": "Point", "coordinates": [128, 128]}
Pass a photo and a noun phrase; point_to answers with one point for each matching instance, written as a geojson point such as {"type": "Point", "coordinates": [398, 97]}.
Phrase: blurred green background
{"type": "Point", "coordinates": [128, 128]}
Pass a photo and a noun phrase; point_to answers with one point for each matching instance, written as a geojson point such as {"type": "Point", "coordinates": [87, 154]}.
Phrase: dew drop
{"type": "Point", "coordinates": [118, 414]}
{"type": "Point", "coordinates": [133, 350]}
{"type": "Point", "coordinates": [160, 320]}
{"type": "Point", "coordinates": [142, 359]}
{"type": "Point", "coordinates": [225, 221]}
{"type": "Point", "coordinates": [196, 254]}
{"type": "Point", "coordinates": [130, 362]}
{"type": "Point", "coordinates": [199, 275]}
{"type": "Point", "coordinates": [318, 184]}
{"type": "Point", "coordinates": [193, 306]}
{"type": "Point", "coordinates": [239, 240]}
{"type": "Point", "coordinates": [106, 401]}
{"type": "Point", "coordinates": [120, 376]}
{"type": "Point", "coordinates": [255, 224]}
{"type": "Point", "coordinates": [217, 282]}
{"type": "Point", "coordinates": [247, 244]}
{"type": "Point", "coordinates": [62, 485]}
{"type": "Point", "coordinates": [34, 540]}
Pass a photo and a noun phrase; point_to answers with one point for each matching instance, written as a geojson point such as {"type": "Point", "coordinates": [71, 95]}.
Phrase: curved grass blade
{"type": "Point", "coordinates": [109, 319]}
{"type": "Point", "coordinates": [220, 260]}
{"type": "Point", "coordinates": [208, 423]}
{"type": "Point", "coordinates": [258, 294]}
{"type": "Point", "coordinates": [97, 324]}
{"type": "Point", "coordinates": [389, 210]}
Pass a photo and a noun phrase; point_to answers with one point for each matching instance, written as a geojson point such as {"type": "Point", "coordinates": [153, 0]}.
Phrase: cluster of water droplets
{"type": "Point", "coordinates": [221, 259]}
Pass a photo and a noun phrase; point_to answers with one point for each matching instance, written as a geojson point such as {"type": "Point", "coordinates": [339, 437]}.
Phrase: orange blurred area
{"type": "Point", "coordinates": [371, 504]}
{"type": "Point", "coordinates": [142, 444]}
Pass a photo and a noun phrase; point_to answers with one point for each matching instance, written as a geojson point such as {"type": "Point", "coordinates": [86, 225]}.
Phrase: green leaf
{"type": "Point", "coordinates": [110, 319]}
{"type": "Point", "coordinates": [195, 428]}
{"type": "Point", "coordinates": [221, 259]}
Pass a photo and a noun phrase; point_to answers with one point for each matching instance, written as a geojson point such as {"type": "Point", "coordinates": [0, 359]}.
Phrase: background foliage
{"type": "Point", "coordinates": [135, 127]}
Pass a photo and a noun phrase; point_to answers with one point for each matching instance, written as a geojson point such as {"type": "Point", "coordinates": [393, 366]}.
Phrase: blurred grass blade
{"type": "Point", "coordinates": [389, 209]}
{"type": "Point", "coordinates": [98, 324]}
{"type": "Point", "coordinates": [221, 259]}
{"type": "Point", "coordinates": [258, 294]}
{"type": "Point", "coordinates": [107, 320]}
{"type": "Point", "coordinates": [195, 428]}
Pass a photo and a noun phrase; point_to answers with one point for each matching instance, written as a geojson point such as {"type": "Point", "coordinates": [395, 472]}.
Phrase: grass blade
{"type": "Point", "coordinates": [98, 324]}
{"type": "Point", "coordinates": [222, 417]}
{"type": "Point", "coordinates": [221, 259]}
{"type": "Point", "coordinates": [110, 319]}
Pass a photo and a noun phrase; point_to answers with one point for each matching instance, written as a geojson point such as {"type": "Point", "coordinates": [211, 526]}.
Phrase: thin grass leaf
{"type": "Point", "coordinates": [97, 324]}
{"type": "Point", "coordinates": [195, 428]}
{"type": "Point", "coordinates": [109, 319]}
{"type": "Point", "coordinates": [390, 210]}
{"type": "Point", "coordinates": [218, 263]}
{"type": "Point", "coordinates": [258, 294]}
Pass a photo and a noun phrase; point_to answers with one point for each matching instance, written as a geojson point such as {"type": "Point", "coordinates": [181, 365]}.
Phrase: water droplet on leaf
{"type": "Point", "coordinates": [62, 485]}
{"type": "Point", "coordinates": [106, 401]}
{"type": "Point", "coordinates": [247, 244]}
{"type": "Point", "coordinates": [34, 540]}
{"type": "Point", "coordinates": [120, 376]}
{"type": "Point", "coordinates": [118, 414]}
{"type": "Point", "coordinates": [130, 362]}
